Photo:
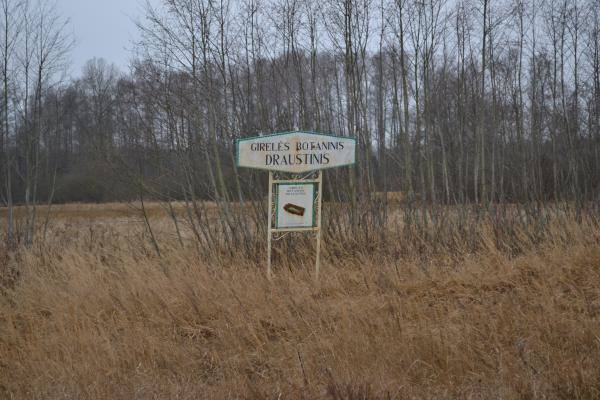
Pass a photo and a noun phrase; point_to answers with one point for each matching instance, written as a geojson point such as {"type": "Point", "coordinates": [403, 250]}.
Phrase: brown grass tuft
{"type": "Point", "coordinates": [95, 313]}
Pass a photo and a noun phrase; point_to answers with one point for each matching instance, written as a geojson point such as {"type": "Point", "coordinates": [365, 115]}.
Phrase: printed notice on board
{"type": "Point", "coordinates": [295, 205]}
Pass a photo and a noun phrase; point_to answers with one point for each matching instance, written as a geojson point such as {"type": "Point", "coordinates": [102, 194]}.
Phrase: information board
{"type": "Point", "coordinates": [295, 205]}
{"type": "Point", "coordinates": [296, 152]}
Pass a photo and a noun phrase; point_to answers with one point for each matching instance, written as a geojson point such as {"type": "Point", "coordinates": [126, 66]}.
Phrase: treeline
{"type": "Point", "coordinates": [468, 101]}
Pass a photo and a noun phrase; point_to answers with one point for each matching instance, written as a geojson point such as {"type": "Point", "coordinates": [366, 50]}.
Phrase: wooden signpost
{"type": "Point", "coordinates": [295, 161]}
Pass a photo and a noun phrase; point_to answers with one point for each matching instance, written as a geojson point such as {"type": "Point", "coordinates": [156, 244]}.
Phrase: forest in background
{"type": "Point", "coordinates": [460, 256]}
{"type": "Point", "coordinates": [452, 102]}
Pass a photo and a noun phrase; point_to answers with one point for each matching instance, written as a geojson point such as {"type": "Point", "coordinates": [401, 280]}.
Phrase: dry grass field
{"type": "Point", "coordinates": [92, 312]}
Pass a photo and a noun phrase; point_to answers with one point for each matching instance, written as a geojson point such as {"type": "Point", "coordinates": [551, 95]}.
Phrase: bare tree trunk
{"type": "Point", "coordinates": [483, 190]}
{"type": "Point", "coordinates": [6, 161]}
{"type": "Point", "coordinates": [408, 187]}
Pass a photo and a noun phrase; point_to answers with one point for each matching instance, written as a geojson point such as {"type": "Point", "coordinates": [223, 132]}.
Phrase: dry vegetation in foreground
{"type": "Point", "coordinates": [93, 312]}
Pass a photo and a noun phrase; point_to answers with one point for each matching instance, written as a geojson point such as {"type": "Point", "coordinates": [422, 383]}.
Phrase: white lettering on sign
{"type": "Point", "coordinates": [296, 152]}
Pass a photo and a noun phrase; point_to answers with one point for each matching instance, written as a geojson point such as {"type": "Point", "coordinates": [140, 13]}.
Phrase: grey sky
{"type": "Point", "coordinates": [102, 28]}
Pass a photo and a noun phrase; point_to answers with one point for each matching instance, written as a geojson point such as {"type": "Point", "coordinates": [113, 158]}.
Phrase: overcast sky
{"type": "Point", "coordinates": [102, 28]}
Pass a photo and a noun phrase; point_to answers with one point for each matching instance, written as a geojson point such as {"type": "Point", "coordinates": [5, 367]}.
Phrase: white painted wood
{"type": "Point", "coordinates": [269, 222]}
{"type": "Point", "coordinates": [296, 152]}
{"type": "Point", "coordinates": [295, 180]}
{"type": "Point", "coordinates": [319, 209]}
{"type": "Point", "coordinates": [275, 230]}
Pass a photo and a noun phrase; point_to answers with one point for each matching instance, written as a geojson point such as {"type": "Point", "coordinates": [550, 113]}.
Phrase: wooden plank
{"type": "Point", "coordinates": [269, 230]}
{"type": "Point", "coordinates": [292, 181]}
{"type": "Point", "coordinates": [318, 251]}
{"type": "Point", "coordinates": [281, 230]}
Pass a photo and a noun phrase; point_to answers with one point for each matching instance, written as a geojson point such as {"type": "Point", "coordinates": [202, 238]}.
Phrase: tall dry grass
{"type": "Point", "coordinates": [450, 309]}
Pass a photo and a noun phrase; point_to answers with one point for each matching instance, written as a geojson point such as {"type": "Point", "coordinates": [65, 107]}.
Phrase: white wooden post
{"type": "Point", "coordinates": [319, 209]}
{"type": "Point", "coordinates": [269, 222]}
